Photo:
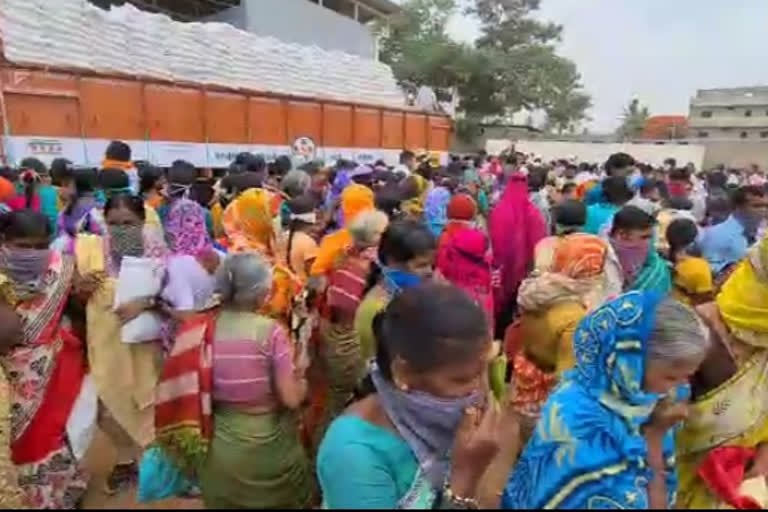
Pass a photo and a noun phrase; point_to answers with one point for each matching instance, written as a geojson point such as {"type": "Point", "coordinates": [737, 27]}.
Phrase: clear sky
{"type": "Point", "coordinates": [658, 50]}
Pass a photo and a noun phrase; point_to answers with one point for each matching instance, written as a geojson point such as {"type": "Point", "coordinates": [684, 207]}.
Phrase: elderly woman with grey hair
{"type": "Point", "coordinates": [255, 459]}
{"type": "Point", "coordinates": [606, 437]}
{"type": "Point", "coordinates": [342, 355]}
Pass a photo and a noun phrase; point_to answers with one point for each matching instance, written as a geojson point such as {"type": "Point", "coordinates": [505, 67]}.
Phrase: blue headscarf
{"type": "Point", "coordinates": [436, 210]}
{"type": "Point", "coordinates": [588, 450]}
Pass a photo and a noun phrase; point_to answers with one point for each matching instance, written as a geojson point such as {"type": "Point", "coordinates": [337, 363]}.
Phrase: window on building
{"type": "Point", "coordinates": [747, 113]}
{"type": "Point", "coordinates": [744, 135]}
{"type": "Point", "coordinates": [706, 113]}
{"type": "Point", "coordinates": [764, 135]}
{"type": "Point", "coordinates": [703, 135]}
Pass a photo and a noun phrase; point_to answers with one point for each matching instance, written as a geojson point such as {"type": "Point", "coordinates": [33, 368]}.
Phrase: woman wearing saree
{"type": "Point", "coordinates": [354, 200]}
{"type": "Point", "coordinates": [192, 262]}
{"type": "Point", "coordinates": [255, 460]}
{"type": "Point", "coordinates": [249, 226]}
{"type": "Point", "coordinates": [464, 254]}
{"type": "Point", "coordinates": [415, 189]}
{"type": "Point", "coordinates": [125, 374]}
{"type": "Point", "coordinates": [82, 215]}
{"type": "Point", "coordinates": [44, 366]}
{"type": "Point", "coordinates": [606, 438]}
{"type": "Point", "coordinates": [515, 227]}
{"type": "Point", "coordinates": [729, 408]}
{"type": "Point", "coordinates": [552, 303]}
{"type": "Point", "coordinates": [341, 350]}
{"type": "Point", "coordinates": [436, 209]}
{"type": "Point", "coordinates": [426, 435]}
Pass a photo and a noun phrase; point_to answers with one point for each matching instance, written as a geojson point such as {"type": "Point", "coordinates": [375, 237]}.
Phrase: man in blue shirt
{"type": "Point", "coordinates": [727, 243]}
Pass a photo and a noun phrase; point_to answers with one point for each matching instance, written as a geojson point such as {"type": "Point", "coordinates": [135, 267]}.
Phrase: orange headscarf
{"type": "Point", "coordinates": [580, 256]}
{"type": "Point", "coordinates": [248, 224]}
{"type": "Point", "coordinates": [6, 190]}
{"type": "Point", "coordinates": [354, 200]}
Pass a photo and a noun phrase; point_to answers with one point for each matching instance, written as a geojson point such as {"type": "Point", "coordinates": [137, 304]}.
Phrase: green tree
{"type": "Point", "coordinates": [529, 73]}
{"type": "Point", "coordinates": [633, 120]}
{"type": "Point", "coordinates": [512, 66]}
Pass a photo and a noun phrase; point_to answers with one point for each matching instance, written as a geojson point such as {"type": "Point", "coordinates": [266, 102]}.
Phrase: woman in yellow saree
{"type": "Point", "coordinates": [730, 402]}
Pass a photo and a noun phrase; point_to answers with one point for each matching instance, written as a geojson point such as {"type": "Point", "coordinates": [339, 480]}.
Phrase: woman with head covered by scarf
{"type": "Point", "coordinates": [249, 226]}
{"type": "Point", "coordinates": [515, 227]}
{"type": "Point", "coordinates": [464, 254]}
{"type": "Point", "coordinates": [435, 209]}
{"type": "Point", "coordinates": [413, 444]}
{"type": "Point", "coordinates": [730, 409]}
{"type": "Point", "coordinates": [414, 189]}
{"type": "Point", "coordinates": [606, 438]}
{"type": "Point", "coordinates": [552, 302]}
{"type": "Point", "coordinates": [192, 262]}
{"type": "Point", "coordinates": [43, 360]}
{"type": "Point", "coordinates": [354, 200]}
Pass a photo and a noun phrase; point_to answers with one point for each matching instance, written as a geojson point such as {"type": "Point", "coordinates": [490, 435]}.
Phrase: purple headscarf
{"type": "Point", "coordinates": [186, 230]}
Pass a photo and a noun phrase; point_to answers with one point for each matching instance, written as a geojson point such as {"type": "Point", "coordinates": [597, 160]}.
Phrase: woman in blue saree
{"type": "Point", "coordinates": [606, 435]}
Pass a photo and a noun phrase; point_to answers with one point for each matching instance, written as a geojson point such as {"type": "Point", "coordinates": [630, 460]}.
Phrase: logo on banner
{"type": "Point", "coordinates": [42, 147]}
{"type": "Point", "coordinates": [304, 149]}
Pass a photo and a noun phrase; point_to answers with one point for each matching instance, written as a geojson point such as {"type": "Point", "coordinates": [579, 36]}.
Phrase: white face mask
{"type": "Point", "coordinates": [309, 218]}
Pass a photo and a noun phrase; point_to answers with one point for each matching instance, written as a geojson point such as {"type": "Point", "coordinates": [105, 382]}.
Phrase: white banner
{"type": "Point", "coordinates": [90, 152]}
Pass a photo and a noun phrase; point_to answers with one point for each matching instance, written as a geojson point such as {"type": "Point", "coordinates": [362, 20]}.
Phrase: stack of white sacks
{"type": "Point", "coordinates": [75, 33]}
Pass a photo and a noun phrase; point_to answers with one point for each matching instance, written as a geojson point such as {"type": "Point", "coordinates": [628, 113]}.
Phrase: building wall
{"type": "Point", "coordinates": [737, 114]}
{"type": "Point", "coordinates": [302, 22]}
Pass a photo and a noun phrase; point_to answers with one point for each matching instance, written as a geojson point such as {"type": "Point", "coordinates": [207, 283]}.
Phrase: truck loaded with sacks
{"type": "Point", "coordinates": [74, 76]}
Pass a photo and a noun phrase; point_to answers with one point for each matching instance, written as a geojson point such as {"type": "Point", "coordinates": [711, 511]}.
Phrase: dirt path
{"type": "Point", "coordinates": [102, 455]}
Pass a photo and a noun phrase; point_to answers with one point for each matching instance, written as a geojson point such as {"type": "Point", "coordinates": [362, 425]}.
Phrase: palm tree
{"type": "Point", "coordinates": [633, 120]}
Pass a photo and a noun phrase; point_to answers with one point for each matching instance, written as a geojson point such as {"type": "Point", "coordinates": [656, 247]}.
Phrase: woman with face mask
{"type": "Point", "coordinates": [43, 361]}
{"type": "Point", "coordinates": [125, 374]}
{"type": "Point", "coordinates": [606, 437]}
{"type": "Point", "coordinates": [428, 433]}
{"type": "Point", "coordinates": [82, 213]}
{"type": "Point", "coordinates": [633, 262]}
{"type": "Point", "coordinates": [406, 258]}
{"type": "Point", "coordinates": [728, 416]}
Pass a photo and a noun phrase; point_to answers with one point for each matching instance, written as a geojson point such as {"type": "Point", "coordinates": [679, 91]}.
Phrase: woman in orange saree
{"type": "Point", "coordinates": [45, 365]}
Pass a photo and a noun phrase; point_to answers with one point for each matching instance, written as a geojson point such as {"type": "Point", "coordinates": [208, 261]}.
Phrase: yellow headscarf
{"type": "Point", "coordinates": [743, 299]}
{"type": "Point", "coordinates": [248, 223]}
{"type": "Point", "coordinates": [354, 200]}
{"type": "Point", "coordinates": [415, 205]}
{"type": "Point", "coordinates": [693, 275]}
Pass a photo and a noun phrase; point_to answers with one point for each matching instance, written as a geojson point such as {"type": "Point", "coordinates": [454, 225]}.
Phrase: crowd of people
{"type": "Point", "coordinates": [330, 334]}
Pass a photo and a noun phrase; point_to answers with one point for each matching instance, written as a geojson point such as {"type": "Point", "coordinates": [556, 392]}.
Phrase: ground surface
{"type": "Point", "coordinates": [102, 455]}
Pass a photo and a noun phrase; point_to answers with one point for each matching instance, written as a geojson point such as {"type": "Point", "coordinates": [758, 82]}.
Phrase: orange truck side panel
{"type": "Point", "coordinates": [112, 109]}
{"type": "Point", "coordinates": [392, 136]}
{"type": "Point", "coordinates": [415, 131]}
{"type": "Point", "coordinates": [41, 103]}
{"type": "Point", "coordinates": [69, 103]}
{"type": "Point", "coordinates": [337, 126]}
{"type": "Point", "coordinates": [367, 128]}
{"type": "Point", "coordinates": [267, 121]}
{"type": "Point", "coordinates": [226, 117]}
{"type": "Point", "coordinates": [439, 134]}
{"type": "Point", "coordinates": [43, 115]}
{"type": "Point", "coordinates": [305, 120]}
{"type": "Point", "coordinates": [174, 113]}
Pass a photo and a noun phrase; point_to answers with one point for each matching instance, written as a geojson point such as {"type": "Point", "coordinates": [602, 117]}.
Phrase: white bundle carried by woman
{"type": "Point", "coordinates": [140, 278]}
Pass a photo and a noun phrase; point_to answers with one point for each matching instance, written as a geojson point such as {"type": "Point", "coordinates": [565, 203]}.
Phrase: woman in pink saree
{"type": "Point", "coordinates": [515, 227]}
